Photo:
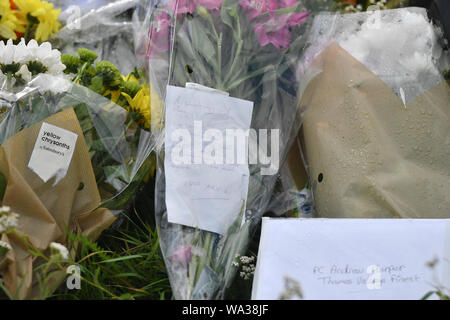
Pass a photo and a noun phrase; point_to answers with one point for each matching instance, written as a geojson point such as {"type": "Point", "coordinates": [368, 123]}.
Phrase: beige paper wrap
{"type": "Point", "coordinates": [46, 210]}
{"type": "Point", "coordinates": [377, 158]}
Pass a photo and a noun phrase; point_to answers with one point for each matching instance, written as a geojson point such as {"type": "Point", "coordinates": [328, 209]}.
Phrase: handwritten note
{"type": "Point", "coordinates": [352, 258]}
{"type": "Point", "coordinates": [203, 188]}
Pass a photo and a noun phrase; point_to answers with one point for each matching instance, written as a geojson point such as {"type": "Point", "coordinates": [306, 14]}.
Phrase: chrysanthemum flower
{"type": "Point", "coordinates": [145, 102]}
{"type": "Point", "coordinates": [44, 12]}
{"type": "Point", "coordinates": [33, 55]}
{"type": "Point", "coordinates": [141, 104]}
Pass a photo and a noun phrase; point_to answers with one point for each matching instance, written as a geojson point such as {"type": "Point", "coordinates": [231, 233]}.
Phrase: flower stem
{"type": "Point", "coordinates": [85, 65]}
{"type": "Point", "coordinates": [238, 51]}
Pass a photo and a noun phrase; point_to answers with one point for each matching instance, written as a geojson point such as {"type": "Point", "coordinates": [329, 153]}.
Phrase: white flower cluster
{"type": "Point", "coordinates": [8, 219]}
{"type": "Point", "coordinates": [26, 57]}
{"type": "Point", "coordinates": [353, 8]}
{"type": "Point", "coordinates": [381, 4]}
{"type": "Point", "coordinates": [248, 266]}
{"type": "Point", "coordinates": [59, 251]}
{"type": "Point", "coordinates": [4, 248]}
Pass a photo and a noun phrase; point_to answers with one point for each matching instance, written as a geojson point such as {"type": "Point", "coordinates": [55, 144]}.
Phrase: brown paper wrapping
{"type": "Point", "coordinates": [376, 157]}
{"type": "Point", "coordinates": [46, 210]}
{"type": "Point", "coordinates": [295, 165]}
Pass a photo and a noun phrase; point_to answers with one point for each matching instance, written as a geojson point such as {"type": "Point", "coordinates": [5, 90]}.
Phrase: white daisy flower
{"type": "Point", "coordinates": [24, 73]}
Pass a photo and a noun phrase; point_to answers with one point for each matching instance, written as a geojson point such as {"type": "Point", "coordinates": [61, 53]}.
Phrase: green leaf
{"type": "Point", "coordinates": [3, 185]}
{"type": "Point", "coordinates": [200, 40]}
{"type": "Point", "coordinates": [229, 10]}
{"type": "Point", "coordinates": [122, 258]}
{"type": "Point", "coordinates": [97, 84]}
{"type": "Point", "coordinates": [426, 296]}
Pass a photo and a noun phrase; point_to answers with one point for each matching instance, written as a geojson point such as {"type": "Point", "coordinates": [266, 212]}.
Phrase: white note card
{"type": "Point", "coordinates": [207, 177]}
{"type": "Point", "coordinates": [52, 152]}
{"type": "Point", "coordinates": [351, 259]}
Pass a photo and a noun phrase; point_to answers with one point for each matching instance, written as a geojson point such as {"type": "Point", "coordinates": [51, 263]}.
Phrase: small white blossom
{"type": "Point", "coordinates": [8, 219]}
{"type": "Point", "coordinates": [4, 248]}
{"type": "Point", "coordinates": [59, 250]}
{"type": "Point", "coordinates": [5, 209]}
{"type": "Point", "coordinates": [248, 267]}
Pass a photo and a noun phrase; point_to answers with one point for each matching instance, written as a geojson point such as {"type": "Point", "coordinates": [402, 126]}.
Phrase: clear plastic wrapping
{"type": "Point", "coordinates": [249, 52]}
{"type": "Point", "coordinates": [106, 27]}
{"type": "Point", "coordinates": [119, 148]}
{"type": "Point", "coordinates": [376, 112]}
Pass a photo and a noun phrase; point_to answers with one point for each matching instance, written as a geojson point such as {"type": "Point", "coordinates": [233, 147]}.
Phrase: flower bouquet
{"type": "Point", "coordinates": [248, 50]}
{"type": "Point", "coordinates": [376, 116]}
{"type": "Point", "coordinates": [75, 148]}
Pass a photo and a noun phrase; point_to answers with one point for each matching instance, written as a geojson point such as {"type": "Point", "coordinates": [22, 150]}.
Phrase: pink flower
{"type": "Point", "coordinates": [159, 35]}
{"type": "Point", "coordinates": [280, 38]}
{"type": "Point", "coordinates": [210, 4]}
{"type": "Point", "coordinates": [295, 19]}
{"type": "Point", "coordinates": [277, 21]}
{"type": "Point", "coordinates": [255, 8]}
{"type": "Point", "coordinates": [182, 255]}
{"type": "Point", "coordinates": [275, 29]}
{"type": "Point", "coordinates": [287, 3]}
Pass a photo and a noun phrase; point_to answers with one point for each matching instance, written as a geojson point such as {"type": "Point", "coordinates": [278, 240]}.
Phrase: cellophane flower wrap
{"type": "Point", "coordinates": [104, 26]}
{"type": "Point", "coordinates": [35, 84]}
{"type": "Point", "coordinates": [372, 143]}
{"type": "Point", "coordinates": [250, 50]}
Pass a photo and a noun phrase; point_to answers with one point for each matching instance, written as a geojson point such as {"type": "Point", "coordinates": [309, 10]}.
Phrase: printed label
{"type": "Point", "coordinates": [52, 152]}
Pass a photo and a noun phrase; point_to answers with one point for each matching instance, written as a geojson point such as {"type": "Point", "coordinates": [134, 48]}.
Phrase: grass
{"type": "Point", "coordinates": [125, 263]}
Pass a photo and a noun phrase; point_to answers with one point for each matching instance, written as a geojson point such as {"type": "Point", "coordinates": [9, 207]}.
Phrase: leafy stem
{"type": "Point", "coordinates": [238, 50]}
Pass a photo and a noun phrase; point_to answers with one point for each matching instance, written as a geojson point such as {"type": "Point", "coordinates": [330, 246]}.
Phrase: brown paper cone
{"type": "Point", "coordinates": [375, 157]}
{"type": "Point", "coordinates": [45, 211]}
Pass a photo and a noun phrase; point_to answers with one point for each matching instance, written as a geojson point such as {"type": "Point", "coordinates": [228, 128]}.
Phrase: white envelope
{"type": "Point", "coordinates": [352, 259]}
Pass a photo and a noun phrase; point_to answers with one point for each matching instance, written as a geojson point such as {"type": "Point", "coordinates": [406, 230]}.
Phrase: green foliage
{"type": "Point", "coordinates": [131, 88]}
{"type": "Point", "coordinates": [87, 55]}
{"type": "Point", "coordinates": [36, 67]}
{"type": "Point", "coordinates": [124, 264]}
{"type": "Point", "coordinates": [390, 4]}
{"type": "Point", "coordinates": [72, 63]}
{"type": "Point", "coordinates": [9, 68]}
{"type": "Point", "coordinates": [438, 293]}
{"type": "Point", "coordinates": [3, 184]}
{"type": "Point", "coordinates": [447, 75]}
{"type": "Point", "coordinates": [109, 73]}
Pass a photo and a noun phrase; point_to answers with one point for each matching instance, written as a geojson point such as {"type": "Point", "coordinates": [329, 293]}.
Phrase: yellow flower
{"type": "Point", "coordinates": [44, 12]}
{"type": "Point", "coordinates": [8, 21]}
{"type": "Point", "coordinates": [157, 110]}
{"type": "Point", "coordinates": [141, 104]}
{"type": "Point", "coordinates": [115, 95]}
{"type": "Point", "coordinates": [131, 78]}
{"type": "Point", "coordinates": [148, 104]}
